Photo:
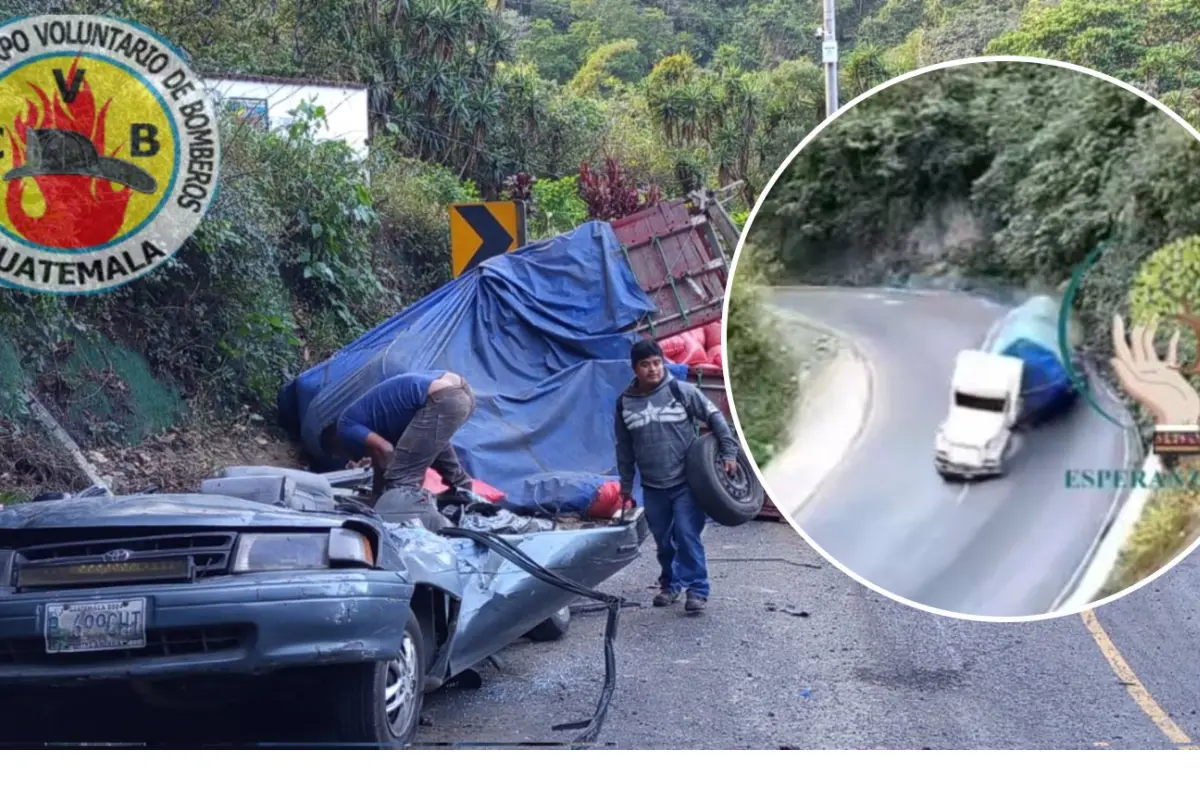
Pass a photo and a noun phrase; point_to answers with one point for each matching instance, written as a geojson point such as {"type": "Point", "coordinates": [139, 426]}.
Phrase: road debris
{"type": "Point", "coordinates": [790, 610]}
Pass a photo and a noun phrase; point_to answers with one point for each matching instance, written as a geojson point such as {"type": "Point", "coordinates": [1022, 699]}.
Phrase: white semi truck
{"type": "Point", "coordinates": [1019, 379]}
{"type": "Point", "coordinates": [985, 406]}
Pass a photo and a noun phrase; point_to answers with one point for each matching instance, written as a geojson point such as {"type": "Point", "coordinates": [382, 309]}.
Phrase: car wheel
{"type": "Point", "coordinates": [380, 702]}
{"type": "Point", "coordinates": [554, 628]}
{"type": "Point", "coordinates": [728, 500]}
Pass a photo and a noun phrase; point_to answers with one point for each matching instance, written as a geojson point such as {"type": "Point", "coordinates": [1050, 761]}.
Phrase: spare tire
{"type": "Point", "coordinates": [728, 500]}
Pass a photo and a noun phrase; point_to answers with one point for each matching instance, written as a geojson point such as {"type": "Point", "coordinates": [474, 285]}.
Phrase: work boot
{"type": "Point", "coordinates": [695, 604]}
{"type": "Point", "coordinates": [665, 598]}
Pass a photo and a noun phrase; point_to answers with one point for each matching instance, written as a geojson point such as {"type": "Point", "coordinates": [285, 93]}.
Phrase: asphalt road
{"type": "Point", "coordinates": [1008, 547]}
{"type": "Point", "coordinates": [856, 671]}
{"type": "Point", "coordinates": [792, 653]}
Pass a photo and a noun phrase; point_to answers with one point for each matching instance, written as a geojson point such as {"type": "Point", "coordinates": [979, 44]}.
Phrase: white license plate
{"type": "Point", "coordinates": [86, 627]}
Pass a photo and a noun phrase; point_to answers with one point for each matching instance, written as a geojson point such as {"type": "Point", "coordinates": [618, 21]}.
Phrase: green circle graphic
{"type": "Point", "coordinates": [1064, 345]}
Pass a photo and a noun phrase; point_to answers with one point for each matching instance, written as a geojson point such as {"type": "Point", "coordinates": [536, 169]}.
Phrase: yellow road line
{"type": "Point", "coordinates": [1133, 685]}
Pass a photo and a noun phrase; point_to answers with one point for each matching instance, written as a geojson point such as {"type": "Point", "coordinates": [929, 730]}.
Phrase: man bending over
{"type": "Point", "coordinates": [654, 427]}
{"type": "Point", "coordinates": [405, 425]}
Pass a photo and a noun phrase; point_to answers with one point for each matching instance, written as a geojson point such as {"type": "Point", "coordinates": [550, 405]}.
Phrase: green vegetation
{"type": "Point", "coordinates": [762, 366]}
{"type": "Point", "coordinates": [1166, 290]}
{"type": "Point", "coordinates": [1169, 523]}
{"type": "Point", "coordinates": [921, 181]}
{"type": "Point", "coordinates": [1017, 203]}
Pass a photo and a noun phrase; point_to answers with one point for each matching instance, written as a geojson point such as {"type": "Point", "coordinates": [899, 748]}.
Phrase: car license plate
{"type": "Point", "coordinates": [86, 627]}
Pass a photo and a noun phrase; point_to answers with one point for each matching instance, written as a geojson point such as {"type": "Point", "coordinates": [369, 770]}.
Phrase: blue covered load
{"type": "Point", "coordinates": [543, 335]}
{"type": "Point", "coordinates": [1029, 332]}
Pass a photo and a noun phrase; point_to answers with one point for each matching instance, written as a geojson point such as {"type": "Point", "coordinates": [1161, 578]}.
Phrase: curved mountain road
{"type": "Point", "coordinates": [1008, 547]}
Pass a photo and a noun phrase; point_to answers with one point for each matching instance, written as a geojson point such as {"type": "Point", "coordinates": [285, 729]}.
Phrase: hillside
{"type": "Point", "coordinates": [300, 255]}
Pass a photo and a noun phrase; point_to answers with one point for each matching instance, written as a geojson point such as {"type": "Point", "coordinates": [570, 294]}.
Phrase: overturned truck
{"type": "Point", "coordinates": [1020, 379]}
{"type": "Point", "coordinates": [543, 335]}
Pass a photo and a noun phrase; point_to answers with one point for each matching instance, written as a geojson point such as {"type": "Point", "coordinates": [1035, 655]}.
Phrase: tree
{"type": "Point", "coordinates": [598, 73]}
{"type": "Point", "coordinates": [1166, 290]}
{"type": "Point", "coordinates": [1153, 44]}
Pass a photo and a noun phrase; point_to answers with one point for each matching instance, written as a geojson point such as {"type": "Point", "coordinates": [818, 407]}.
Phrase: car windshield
{"type": "Point", "coordinates": [964, 400]}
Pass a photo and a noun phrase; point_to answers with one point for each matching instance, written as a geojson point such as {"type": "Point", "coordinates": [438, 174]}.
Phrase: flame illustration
{"type": "Point", "coordinates": [79, 211]}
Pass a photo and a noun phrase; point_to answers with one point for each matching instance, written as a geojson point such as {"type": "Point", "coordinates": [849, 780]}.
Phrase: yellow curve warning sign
{"type": "Point", "coordinates": [479, 231]}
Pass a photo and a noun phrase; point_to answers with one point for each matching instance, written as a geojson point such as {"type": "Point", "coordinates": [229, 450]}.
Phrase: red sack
{"type": "Point", "coordinates": [716, 357]}
{"type": "Point", "coordinates": [684, 349]}
{"type": "Point", "coordinates": [697, 358]}
{"type": "Point", "coordinates": [674, 349]}
{"type": "Point", "coordinates": [607, 502]}
{"type": "Point", "coordinates": [435, 484]}
{"type": "Point", "coordinates": [712, 335]}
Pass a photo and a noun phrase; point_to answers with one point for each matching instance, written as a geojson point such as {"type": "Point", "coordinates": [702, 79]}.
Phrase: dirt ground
{"type": "Point", "coordinates": [176, 460]}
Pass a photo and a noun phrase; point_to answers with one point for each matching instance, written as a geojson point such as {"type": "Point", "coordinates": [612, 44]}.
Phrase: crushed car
{"type": "Point", "coordinates": [269, 584]}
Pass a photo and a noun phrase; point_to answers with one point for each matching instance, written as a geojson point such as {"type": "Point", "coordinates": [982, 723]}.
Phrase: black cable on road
{"type": "Point", "coordinates": [591, 727]}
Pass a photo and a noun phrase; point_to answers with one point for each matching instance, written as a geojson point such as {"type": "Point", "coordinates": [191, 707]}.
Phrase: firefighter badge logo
{"type": "Point", "coordinates": [109, 153]}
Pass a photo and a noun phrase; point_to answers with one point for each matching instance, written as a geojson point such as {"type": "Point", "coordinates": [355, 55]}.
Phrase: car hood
{"type": "Point", "coordinates": [162, 510]}
{"type": "Point", "coordinates": [969, 427]}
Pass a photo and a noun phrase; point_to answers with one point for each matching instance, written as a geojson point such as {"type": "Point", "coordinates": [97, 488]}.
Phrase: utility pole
{"type": "Point", "coordinates": [829, 56]}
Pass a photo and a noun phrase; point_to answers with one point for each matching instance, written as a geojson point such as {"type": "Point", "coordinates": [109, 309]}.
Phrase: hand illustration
{"type": "Point", "coordinates": [1158, 385]}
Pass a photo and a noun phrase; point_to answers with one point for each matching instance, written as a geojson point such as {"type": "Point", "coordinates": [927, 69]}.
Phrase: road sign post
{"type": "Point", "coordinates": [479, 231]}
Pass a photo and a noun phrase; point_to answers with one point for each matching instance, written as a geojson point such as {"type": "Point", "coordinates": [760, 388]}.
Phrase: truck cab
{"type": "Point", "coordinates": [985, 405]}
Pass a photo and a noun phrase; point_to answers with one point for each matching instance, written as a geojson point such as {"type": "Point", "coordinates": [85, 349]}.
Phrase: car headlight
{"type": "Point", "coordinates": [269, 552]}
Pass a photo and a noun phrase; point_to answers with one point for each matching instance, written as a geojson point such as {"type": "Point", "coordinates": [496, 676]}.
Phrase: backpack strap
{"type": "Point", "coordinates": [677, 393]}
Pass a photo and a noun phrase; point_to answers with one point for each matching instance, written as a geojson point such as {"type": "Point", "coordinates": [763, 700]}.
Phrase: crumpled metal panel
{"type": "Point", "coordinates": [502, 602]}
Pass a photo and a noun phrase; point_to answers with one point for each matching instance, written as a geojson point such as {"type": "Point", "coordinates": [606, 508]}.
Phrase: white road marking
{"type": "Point", "coordinates": [958, 500]}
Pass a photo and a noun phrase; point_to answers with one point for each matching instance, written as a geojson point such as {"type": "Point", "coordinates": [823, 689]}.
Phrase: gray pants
{"type": "Point", "coordinates": [425, 442]}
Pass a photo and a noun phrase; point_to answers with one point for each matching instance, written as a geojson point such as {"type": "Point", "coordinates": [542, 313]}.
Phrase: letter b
{"type": "Point", "coordinates": [143, 138]}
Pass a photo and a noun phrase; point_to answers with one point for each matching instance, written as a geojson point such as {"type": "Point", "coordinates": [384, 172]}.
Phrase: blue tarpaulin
{"type": "Point", "coordinates": [1046, 388]}
{"type": "Point", "coordinates": [538, 334]}
{"type": "Point", "coordinates": [1030, 332]}
{"type": "Point", "coordinates": [1035, 321]}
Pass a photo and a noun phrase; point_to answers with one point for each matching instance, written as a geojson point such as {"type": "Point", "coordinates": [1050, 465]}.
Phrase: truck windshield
{"type": "Point", "coordinates": [963, 400]}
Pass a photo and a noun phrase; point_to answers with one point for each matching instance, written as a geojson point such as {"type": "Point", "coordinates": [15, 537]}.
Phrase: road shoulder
{"type": "Point", "coordinates": [832, 415]}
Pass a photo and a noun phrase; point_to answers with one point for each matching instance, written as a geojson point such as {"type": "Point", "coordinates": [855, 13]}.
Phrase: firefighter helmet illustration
{"type": "Point", "coordinates": [53, 151]}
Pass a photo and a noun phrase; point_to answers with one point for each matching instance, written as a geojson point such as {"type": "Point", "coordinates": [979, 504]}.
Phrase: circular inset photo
{"type": "Point", "coordinates": [977, 391]}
